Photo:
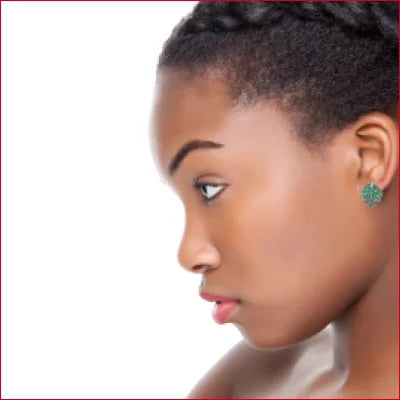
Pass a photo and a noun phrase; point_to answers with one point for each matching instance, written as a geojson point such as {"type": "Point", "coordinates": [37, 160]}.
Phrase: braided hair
{"type": "Point", "coordinates": [324, 64]}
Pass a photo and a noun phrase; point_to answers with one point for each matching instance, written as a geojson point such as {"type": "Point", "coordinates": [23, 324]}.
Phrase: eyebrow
{"type": "Point", "coordinates": [187, 148]}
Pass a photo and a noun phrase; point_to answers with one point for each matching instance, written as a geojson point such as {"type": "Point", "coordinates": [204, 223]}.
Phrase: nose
{"type": "Point", "coordinates": [196, 252]}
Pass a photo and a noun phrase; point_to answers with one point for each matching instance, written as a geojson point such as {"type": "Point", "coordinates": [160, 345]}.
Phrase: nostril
{"type": "Point", "coordinates": [198, 266]}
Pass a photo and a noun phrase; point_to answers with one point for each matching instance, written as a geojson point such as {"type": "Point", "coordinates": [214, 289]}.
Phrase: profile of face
{"type": "Point", "coordinates": [267, 221]}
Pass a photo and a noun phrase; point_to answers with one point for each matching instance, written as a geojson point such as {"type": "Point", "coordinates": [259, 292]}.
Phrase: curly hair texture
{"type": "Point", "coordinates": [324, 63]}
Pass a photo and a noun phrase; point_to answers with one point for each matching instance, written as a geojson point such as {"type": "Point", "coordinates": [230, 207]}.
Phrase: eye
{"type": "Point", "coordinates": [210, 190]}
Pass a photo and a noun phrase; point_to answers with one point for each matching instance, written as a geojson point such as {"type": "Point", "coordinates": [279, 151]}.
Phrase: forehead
{"type": "Point", "coordinates": [186, 108]}
{"type": "Point", "coordinates": [200, 109]}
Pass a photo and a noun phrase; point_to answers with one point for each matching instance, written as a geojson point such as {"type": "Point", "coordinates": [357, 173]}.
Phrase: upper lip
{"type": "Point", "coordinates": [212, 297]}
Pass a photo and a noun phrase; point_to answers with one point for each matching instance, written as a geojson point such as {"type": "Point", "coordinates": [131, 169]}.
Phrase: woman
{"type": "Point", "coordinates": [276, 125]}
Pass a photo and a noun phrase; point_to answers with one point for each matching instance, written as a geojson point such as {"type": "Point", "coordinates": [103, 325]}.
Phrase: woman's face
{"type": "Point", "coordinates": [287, 232]}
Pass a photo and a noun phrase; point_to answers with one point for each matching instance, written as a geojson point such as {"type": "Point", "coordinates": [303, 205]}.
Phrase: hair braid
{"type": "Point", "coordinates": [324, 63]}
{"type": "Point", "coordinates": [226, 16]}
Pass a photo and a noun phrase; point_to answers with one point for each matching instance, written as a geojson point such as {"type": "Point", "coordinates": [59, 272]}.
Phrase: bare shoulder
{"type": "Point", "coordinates": [281, 371]}
{"type": "Point", "coordinates": [218, 381]}
{"type": "Point", "coordinates": [242, 366]}
{"type": "Point", "coordinates": [245, 370]}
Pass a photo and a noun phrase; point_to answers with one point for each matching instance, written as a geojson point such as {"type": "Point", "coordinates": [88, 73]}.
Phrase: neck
{"type": "Point", "coordinates": [365, 338]}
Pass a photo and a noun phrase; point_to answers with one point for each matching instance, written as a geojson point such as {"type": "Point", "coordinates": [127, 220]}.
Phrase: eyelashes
{"type": "Point", "coordinates": [213, 192]}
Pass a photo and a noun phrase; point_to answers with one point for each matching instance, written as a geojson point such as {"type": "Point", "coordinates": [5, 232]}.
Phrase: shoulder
{"type": "Point", "coordinates": [243, 369]}
{"type": "Point", "coordinates": [242, 365]}
{"type": "Point", "coordinates": [218, 380]}
{"type": "Point", "coordinates": [265, 372]}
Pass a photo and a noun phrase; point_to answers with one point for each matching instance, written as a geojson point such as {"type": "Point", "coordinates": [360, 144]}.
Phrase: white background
{"type": "Point", "coordinates": [94, 302]}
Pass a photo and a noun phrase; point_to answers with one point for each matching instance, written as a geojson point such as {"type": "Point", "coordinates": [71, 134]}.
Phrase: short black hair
{"type": "Point", "coordinates": [324, 63]}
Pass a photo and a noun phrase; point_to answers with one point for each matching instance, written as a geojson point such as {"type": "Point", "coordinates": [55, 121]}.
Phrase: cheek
{"type": "Point", "coordinates": [300, 255]}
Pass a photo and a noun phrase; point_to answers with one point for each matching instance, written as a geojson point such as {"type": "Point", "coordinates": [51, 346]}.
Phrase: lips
{"type": "Point", "coordinates": [212, 297]}
{"type": "Point", "coordinates": [222, 311]}
{"type": "Point", "coordinates": [224, 306]}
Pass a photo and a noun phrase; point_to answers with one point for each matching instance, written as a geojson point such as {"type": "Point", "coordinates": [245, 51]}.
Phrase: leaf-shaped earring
{"type": "Point", "coordinates": [371, 194]}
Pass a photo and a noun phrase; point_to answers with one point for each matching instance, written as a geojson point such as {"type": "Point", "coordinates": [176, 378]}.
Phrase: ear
{"type": "Point", "coordinates": [376, 137]}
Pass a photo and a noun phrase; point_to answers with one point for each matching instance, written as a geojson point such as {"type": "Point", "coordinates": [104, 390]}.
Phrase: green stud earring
{"type": "Point", "coordinates": [371, 194]}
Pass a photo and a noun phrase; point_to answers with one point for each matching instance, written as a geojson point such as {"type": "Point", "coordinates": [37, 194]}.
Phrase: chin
{"type": "Point", "coordinates": [265, 339]}
{"type": "Point", "coordinates": [273, 339]}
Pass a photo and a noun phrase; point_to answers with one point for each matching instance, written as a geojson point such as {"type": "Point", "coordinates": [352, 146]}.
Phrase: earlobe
{"type": "Point", "coordinates": [377, 142]}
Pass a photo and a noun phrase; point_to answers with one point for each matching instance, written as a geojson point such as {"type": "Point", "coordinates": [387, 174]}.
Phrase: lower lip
{"type": "Point", "coordinates": [222, 311]}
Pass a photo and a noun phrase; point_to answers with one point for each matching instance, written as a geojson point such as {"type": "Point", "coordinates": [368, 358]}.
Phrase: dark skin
{"type": "Point", "coordinates": [288, 232]}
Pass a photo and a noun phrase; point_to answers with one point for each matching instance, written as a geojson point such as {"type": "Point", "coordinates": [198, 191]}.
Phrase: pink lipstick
{"type": "Point", "coordinates": [223, 308]}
